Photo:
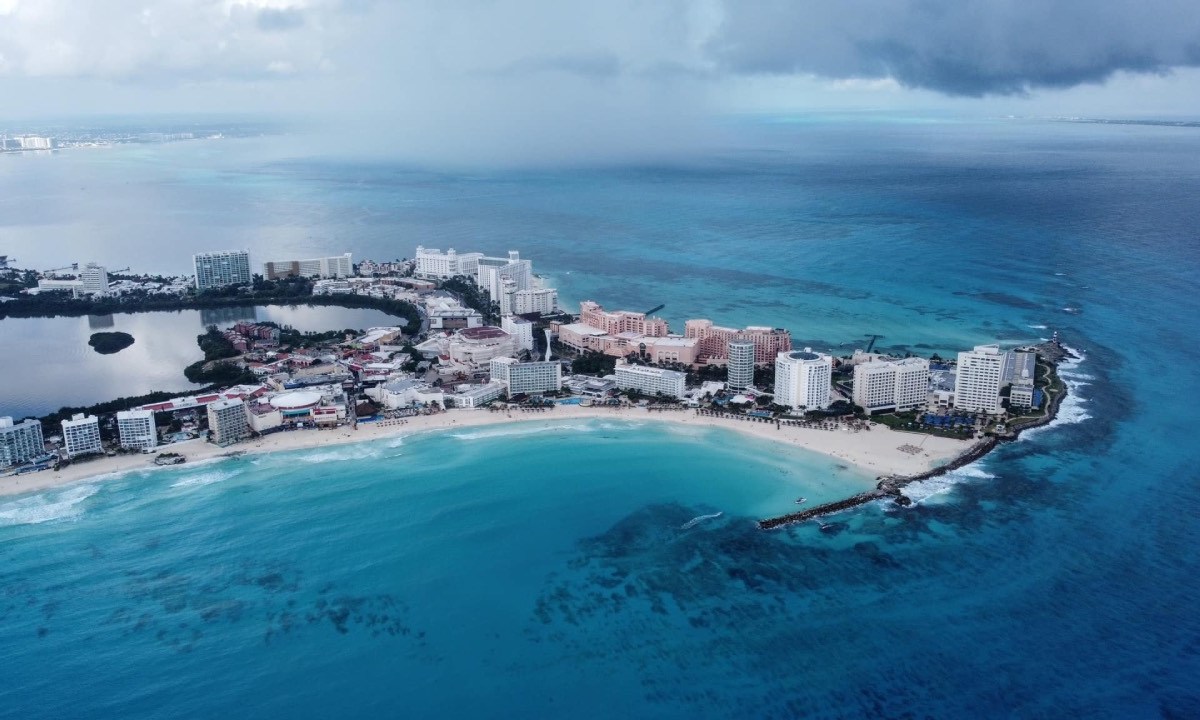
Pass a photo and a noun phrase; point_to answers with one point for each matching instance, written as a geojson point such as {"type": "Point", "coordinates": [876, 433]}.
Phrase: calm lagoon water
{"type": "Point", "coordinates": [539, 572]}
{"type": "Point", "coordinates": [48, 363]}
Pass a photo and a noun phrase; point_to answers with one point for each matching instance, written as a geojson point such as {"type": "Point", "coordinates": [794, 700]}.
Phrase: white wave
{"type": "Point", "coordinates": [928, 489]}
{"type": "Point", "coordinates": [523, 430]}
{"type": "Point", "coordinates": [207, 478]}
{"type": "Point", "coordinates": [1036, 327]}
{"type": "Point", "coordinates": [1073, 409]}
{"type": "Point", "coordinates": [699, 519]}
{"type": "Point", "coordinates": [338, 454]}
{"type": "Point", "coordinates": [63, 505]}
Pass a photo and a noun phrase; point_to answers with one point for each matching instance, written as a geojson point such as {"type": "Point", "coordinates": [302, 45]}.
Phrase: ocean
{"type": "Point", "coordinates": [543, 571]}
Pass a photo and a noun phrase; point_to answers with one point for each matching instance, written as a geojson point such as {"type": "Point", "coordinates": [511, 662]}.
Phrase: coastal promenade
{"type": "Point", "coordinates": [876, 452]}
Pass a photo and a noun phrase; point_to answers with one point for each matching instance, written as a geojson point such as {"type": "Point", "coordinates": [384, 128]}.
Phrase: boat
{"type": "Point", "coordinates": [801, 501]}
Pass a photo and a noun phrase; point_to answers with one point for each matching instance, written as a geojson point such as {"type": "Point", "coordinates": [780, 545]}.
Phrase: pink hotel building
{"type": "Point", "coordinates": [714, 340]}
{"type": "Point", "coordinates": [622, 332]}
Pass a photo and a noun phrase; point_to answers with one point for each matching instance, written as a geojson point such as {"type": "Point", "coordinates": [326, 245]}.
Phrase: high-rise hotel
{"type": "Point", "coordinates": [218, 269]}
{"type": "Point", "coordinates": [19, 442]}
{"type": "Point", "coordinates": [803, 380]}
{"type": "Point", "coordinates": [980, 375]}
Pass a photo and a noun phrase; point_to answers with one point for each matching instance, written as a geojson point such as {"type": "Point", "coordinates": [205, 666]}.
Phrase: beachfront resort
{"type": "Point", "coordinates": [488, 341]}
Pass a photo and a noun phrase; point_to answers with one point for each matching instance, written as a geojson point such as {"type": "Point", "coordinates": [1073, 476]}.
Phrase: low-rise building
{"type": "Point", "coordinates": [406, 392]}
{"type": "Point", "coordinates": [470, 346]}
{"type": "Point", "coordinates": [589, 386]}
{"type": "Point", "coordinates": [651, 381]}
{"type": "Point", "coordinates": [530, 377]}
{"type": "Point", "coordinates": [337, 266]}
{"type": "Point", "coordinates": [476, 396]}
{"type": "Point", "coordinates": [19, 442]}
{"type": "Point", "coordinates": [445, 312]}
{"type": "Point", "coordinates": [136, 429]}
{"type": "Point", "coordinates": [81, 435]}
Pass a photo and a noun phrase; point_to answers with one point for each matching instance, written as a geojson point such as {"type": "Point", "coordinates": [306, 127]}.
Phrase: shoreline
{"type": "Point", "coordinates": [893, 486]}
{"type": "Point", "coordinates": [874, 452]}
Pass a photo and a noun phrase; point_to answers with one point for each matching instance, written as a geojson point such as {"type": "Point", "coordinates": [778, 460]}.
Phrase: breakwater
{"type": "Point", "coordinates": [892, 486]}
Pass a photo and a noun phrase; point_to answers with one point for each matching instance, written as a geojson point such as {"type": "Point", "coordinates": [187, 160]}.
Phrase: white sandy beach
{"type": "Point", "coordinates": [875, 452]}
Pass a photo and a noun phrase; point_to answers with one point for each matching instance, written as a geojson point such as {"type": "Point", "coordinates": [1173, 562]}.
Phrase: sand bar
{"type": "Point", "coordinates": [875, 452]}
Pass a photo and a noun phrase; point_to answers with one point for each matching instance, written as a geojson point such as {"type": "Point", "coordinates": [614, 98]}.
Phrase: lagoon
{"type": "Point", "coordinates": [48, 363]}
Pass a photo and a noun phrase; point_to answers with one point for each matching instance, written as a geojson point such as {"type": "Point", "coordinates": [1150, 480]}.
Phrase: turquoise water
{"type": "Point", "coordinates": [1057, 577]}
{"type": "Point", "coordinates": [438, 570]}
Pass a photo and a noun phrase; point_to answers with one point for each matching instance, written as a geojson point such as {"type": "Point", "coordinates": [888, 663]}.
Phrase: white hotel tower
{"type": "Point", "coordinates": [980, 375]}
{"type": "Point", "coordinates": [81, 435]}
{"type": "Point", "coordinates": [803, 379]}
{"type": "Point", "coordinates": [891, 384]}
{"type": "Point", "coordinates": [136, 429]}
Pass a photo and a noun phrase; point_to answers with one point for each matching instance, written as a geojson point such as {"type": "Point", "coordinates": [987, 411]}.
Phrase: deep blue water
{"type": "Point", "coordinates": [547, 571]}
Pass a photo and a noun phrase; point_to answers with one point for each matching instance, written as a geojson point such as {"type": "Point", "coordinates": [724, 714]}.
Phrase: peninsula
{"type": "Point", "coordinates": [485, 342]}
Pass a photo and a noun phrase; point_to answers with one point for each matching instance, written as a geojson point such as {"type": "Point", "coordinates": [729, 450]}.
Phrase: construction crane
{"type": "Point", "coordinates": [872, 343]}
{"type": "Point", "coordinates": [72, 266]}
{"type": "Point", "coordinates": [653, 310]}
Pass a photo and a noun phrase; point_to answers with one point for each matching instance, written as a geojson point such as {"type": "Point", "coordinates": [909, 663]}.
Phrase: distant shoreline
{"type": "Point", "coordinates": [874, 452]}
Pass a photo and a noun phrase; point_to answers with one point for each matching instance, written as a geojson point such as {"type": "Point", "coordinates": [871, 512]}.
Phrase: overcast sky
{"type": "Point", "coordinates": [557, 73]}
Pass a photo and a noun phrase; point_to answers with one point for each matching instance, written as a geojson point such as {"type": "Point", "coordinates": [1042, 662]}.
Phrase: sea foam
{"type": "Point", "coordinates": [46, 507]}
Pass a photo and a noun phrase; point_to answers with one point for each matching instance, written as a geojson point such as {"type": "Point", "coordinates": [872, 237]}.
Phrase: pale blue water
{"type": "Point", "coordinates": [547, 572]}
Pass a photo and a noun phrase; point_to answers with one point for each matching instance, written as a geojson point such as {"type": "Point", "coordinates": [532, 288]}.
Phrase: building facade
{"type": "Point", "coordinates": [651, 381]}
{"type": "Point", "coordinates": [621, 321]}
{"type": "Point", "coordinates": [20, 442]}
{"type": "Point", "coordinates": [530, 377]}
{"type": "Point", "coordinates": [891, 384]}
{"type": "Point", "coordinates": [227, 422]}
{"type": "Point", "coordinates": [93, 279]}
{"type": "Point", "coordinates": [740, 370]}
{"type": "Point", "coordinates": [476, 396]}
{"type": "Point", "coordinates": [713, 340]}
{"type": "Point", "coordinates": [81, 435]}
{"type": "Point", "coordinates": [502, 278]}
{"type": "Point", "coordinates": [218, 269]}
{"type": "Point", "coordinates": [803, 380]}
{"type": "Point", "coordinates": [521, 331]}
{"type": "Point", "coordinates": [433, 263]}
{"type": "Point", "coordinates": [338, 266]}
{"type": "Point", "coordinates": [979, 376]}
{"type": "Point", "coordinates": [540, 300]}
{"type": "Point", "coordinates": [136, 429]}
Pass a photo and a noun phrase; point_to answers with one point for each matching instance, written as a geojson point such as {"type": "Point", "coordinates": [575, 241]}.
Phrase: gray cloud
{"type": "Point", "coordinates": [959, 47]}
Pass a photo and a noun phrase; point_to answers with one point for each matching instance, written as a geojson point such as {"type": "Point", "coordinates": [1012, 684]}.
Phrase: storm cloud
{"type": "Point", "coordinates": [959, 47]}
{"type": "Point", "coordinates": [484, 80]}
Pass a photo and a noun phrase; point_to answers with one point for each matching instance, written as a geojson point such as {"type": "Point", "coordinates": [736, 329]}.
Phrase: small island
{"type": "Point", "coordinates": [107, 343]}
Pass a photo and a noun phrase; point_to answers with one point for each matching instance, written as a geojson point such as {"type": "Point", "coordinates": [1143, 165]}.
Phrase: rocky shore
{"type": "Point", "coordinates": [893, 486]}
